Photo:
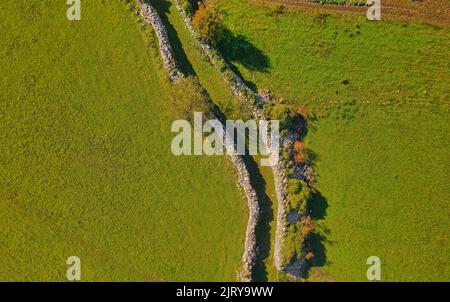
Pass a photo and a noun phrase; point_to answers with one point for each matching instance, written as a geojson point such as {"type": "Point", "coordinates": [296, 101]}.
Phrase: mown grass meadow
{"type": "Point", "coordinates": [86, 167]}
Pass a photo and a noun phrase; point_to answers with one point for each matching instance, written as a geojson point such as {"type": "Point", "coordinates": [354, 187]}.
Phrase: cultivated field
{"type": "Point", "coordinates": [86, 167]}
{"type": "Point", "coordinates": [377, 95]}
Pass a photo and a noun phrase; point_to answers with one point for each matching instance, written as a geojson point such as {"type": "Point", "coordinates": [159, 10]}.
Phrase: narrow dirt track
{"type": "Point", "coordinates": [435, 12]}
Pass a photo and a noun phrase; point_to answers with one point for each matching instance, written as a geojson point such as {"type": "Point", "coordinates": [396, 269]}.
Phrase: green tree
{"type": "Point", "coordinates": [208, 21]}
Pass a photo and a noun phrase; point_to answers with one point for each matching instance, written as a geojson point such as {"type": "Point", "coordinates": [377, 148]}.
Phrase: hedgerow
{"type": "Point", "coordinates": [358, 3]}
{"type": "Point", "coordinates": [337, 2]}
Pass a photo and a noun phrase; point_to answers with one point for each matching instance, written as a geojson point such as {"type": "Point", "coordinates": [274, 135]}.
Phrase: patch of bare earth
{"type": "Point", "coordinates": [436, 12]}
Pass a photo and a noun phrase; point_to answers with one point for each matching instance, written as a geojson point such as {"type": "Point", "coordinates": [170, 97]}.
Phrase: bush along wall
{"type": "Point", "coordinates": [291, 253]}
{"type": "Point", "coordinates": [192, 85]}
{"type": "Point", "coordinates": [250, 99]}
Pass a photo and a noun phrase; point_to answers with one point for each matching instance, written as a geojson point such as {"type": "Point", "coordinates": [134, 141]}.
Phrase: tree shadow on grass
{"type": "Point", "coordinates": [162, 7]}
{"type": "Point", "coordinates": [318, 249]}
{"type": "Point", "coordinates": [318, 206]}
{"type": "Point", "coordinates": [237, 48]}
{"type": "Point", "coordinates": [316, 241]}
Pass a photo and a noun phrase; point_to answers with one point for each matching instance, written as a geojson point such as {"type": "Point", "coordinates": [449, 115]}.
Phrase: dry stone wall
{"type": "Point", "coordinates": [243, 176]}
{"type": "Point", "coordinates": [249, 256]}
{"type": "Point", "coordinates": [170, 63]}
{"type": "Point", "coordinates": [236, 84]}
{"type": "Point", "coordinates": [256, 101]}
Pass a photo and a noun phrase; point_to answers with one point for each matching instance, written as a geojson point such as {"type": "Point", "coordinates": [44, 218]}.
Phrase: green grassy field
{"type": "Point", "coordinates": [86, 167]}
{"type": "Point", "coordinates": [378, 96]}
{"type": "Point", "coordinates": [321, 60]}
{"type": "Point", "coordinates": [384, 176]}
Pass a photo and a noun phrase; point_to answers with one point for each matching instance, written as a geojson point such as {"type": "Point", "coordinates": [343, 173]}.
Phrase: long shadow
{"type": "Point", "coordinates": [257, 180]}
{"type": "Point", "coordinates": [316, 241]}
{"type": "Point", "coordinates": [263, 228]}
{"type": "Point", "coordinates": [237, 48]}
{"type": "Point", "coordinates": [318, 206]}
{"type": "Point", "coordinates": [318, 248]}
{"type": "Point", "coordinates": [162, 7]}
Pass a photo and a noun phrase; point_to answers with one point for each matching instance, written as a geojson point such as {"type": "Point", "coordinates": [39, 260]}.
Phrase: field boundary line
{"type": "Point", "coordinates": [244, 273]}
{"type": "Point", "coordinates": [254, 102]}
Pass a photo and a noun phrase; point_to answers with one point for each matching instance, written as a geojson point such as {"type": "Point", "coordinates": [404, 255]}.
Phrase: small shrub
{"type": "Point", "coordinates": [280, 112]}
{"type": "Point", "coordinates": [208, 21]}
{"type": "Point", "coordinates": [293, 246]}
{"type": "Point", "coordinates": [307, 227]}
{"type": "Point", "coordinates": [300, 155]}
{"type": "Point", "coordinates": [297, 202]}
{"type": "Point", "coordinates": [187, 97]}
{"type": "Point", "coordinates": [298, 195]}
{"type": "Point", "coordinates": [294, 186]}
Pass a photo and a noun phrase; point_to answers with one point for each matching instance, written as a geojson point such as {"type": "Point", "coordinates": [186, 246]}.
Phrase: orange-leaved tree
{"type": "Point", "coordinates": [208, 21]}
{"type": "Point", "coordinates": [307, 226]}
{"type": "Point", "coordinates": [300, 154]}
